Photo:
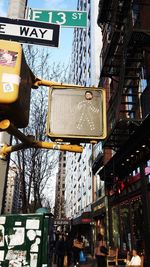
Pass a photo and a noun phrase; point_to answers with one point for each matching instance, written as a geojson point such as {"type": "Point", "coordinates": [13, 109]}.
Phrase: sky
{"type": "Point", "coordinates": [63, 52]}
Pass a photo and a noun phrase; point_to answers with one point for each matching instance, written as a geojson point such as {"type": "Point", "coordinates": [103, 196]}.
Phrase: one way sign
{"type": "Point", "coordinates": [27, 31]}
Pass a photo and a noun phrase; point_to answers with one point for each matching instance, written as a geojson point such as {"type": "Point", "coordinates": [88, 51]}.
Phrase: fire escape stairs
{"type": "Point", "coordinates": [110, 53]}
{"type": "Point", "coordinates": [123, 61]}
{"type": "Point", "coordinates": [124, 105]}
{"type": "Point", "coordinates": [125, 101]}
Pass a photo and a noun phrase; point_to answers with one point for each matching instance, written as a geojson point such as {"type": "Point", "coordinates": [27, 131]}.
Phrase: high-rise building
{"type": "Point", "coordinates": [78, 183]}
{"type": "Point", "coordinates": [59, 210]}
{"type": "Point", "coordinates": [87, 43]}
{"type": "Point", "coordinates": [84, 70]}
{"type": "Point", "coordinates": [13, 202]}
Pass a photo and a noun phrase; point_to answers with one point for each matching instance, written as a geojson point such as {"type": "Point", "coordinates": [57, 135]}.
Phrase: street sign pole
{"type": "Point", "coordinates": [5, 138]}
{"type": "Point", "coordinates": [14, 10]}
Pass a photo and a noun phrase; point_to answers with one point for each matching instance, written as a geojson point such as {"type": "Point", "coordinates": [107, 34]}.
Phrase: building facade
{"type": "Point", "coordinates": [78, 183]}
{"type": "Point", "coordinates": [85, 65]}
{"type": "Point", "coordinates": [124, 167]}
{"type": "Point", "coordinates": [13, 200]}
{"type": "Point", "coordinates": [87, 43]}
{"type": "Point", "coordinates": [59, 210]}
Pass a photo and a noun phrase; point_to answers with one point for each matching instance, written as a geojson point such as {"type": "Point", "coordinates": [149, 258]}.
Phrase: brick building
{"type": "Point", "coordinates": [125, 166]}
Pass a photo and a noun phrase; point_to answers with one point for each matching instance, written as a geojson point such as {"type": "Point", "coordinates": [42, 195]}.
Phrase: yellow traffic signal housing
{"type": "Point", "coordinates": [16, 80]}
{"type": "Point", "coordinates": [77, 113]}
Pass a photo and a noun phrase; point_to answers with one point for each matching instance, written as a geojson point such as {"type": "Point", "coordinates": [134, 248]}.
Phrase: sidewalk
{"type": "Point", "coordinates": [90, 262]}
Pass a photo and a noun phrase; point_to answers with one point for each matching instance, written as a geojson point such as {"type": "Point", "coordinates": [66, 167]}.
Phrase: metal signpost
{"type": "Point", "coordinates": [31, 32]}
{"type": "Point", "coordinates": [16, 8]}
{"type": "Point", "coordinates": [64, 18]}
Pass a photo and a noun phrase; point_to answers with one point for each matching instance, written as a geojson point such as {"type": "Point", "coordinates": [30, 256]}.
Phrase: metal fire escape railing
{"type": "Point", "coordinates": [104, 11]}
{"type": "Point", "coordinates": [124, 105]}
{"type": "Point", "coordinates": [127, 100]}
{"type": "Point", "coordinates": [111, 37]}
{"type": "Point", "coordinates": [110, 58]}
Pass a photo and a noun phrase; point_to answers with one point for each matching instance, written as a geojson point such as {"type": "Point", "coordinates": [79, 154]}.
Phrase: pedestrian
{"type": "Point", "coordinates": [77, 247]}
{"type": "Point", "coordinates": [135, 260]}
{"type": "Point", "coordinates": [100, 256]}
{"type": "Point", "coordinates": [70, 249]}
{"type": "Point", "coordinates": [62, 251]}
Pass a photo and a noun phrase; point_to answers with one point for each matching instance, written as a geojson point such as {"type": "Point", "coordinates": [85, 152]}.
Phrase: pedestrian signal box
{"type": "Point", "coordinates": [16, 80]}
{"type": "Point", "coordinates": [77, 113]}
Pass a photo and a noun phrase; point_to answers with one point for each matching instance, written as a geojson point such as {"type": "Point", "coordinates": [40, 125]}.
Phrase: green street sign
{"type": "Point", "coordinates": [64, 18]}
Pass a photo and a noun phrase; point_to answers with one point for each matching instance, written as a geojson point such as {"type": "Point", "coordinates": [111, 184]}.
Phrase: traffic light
{"type": "Point", "coordinates": [16, 80]}
{"type": "Point", "coordinates": [77, 113]}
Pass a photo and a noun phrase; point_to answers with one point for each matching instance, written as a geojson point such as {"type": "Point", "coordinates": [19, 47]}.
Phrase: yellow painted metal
{"type": "Point", "coordinates": [16, 80]}
{"type": "Point", "coordinates": [56, 146]}
{"type": "Point", "coordinates": [4, 125]}
{"type": "Point", "coordinates": [28, 142]}
{"type": "Point", "coordinates": [5, 149]}
{"type": "Point", "coordinates": [39, 82]}
{"type": "Point", "coordinates": [10, 66]}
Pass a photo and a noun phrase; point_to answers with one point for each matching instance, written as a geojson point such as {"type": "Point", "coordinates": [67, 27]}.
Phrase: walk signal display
{"type": "Point", "coordinates": [77, 113]}
{"type": "Point", "coordinates": [16, 80]}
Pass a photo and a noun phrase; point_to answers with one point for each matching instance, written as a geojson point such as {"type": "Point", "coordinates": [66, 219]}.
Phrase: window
{"type": "Point", "coordinates": [115, 226]}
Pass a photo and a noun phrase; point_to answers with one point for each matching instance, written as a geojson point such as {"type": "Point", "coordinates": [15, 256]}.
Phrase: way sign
{"type": "Point", "coordinates": [64, 18]}
{"type": "Point", "coordinates": [26, 31]}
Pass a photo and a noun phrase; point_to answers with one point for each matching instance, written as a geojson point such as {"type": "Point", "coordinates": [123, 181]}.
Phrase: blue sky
{"type": "Point", "coordinates": [62, 53]}
{"type": "Point", "coordinates": [53, 4]}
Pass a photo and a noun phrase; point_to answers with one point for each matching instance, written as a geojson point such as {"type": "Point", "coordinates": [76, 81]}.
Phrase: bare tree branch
{"type": "Point", "coordinates": [35, 166]}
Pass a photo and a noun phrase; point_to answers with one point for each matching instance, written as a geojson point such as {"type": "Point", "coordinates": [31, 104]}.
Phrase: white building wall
{"type": "Point", "coordinates": [87, 44]}
{"type": "Point", "coordinates": [9, 194]}
{"type": "Point", "coordinates": [12, 195]}
{"type": "Point", "coordinates": [96, 38]}
{"type": "Point", "coordinates": [60, 187]}
{"type": "Point", "coordinates": [85, 69]}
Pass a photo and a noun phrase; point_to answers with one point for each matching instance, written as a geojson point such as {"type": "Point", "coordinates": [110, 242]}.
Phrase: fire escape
{"type": "Point", "coordinates": [125, 27]}
{"type": "Point", "coordinates": [122, 60]}
{"type": "Point", "coordinates": [125, 40]}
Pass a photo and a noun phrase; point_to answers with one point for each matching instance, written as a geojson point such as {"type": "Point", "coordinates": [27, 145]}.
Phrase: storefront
{"type": "Point", "coordinates": [83, 226]}
{"type": "Point", "coordinates": [99, 218]}
{"type": "Point", "coordinates": [127, 225]}
{"type": "Point", "coordinates": [127, 182]}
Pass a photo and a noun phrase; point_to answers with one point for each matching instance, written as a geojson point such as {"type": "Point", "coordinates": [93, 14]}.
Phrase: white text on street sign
{"type": "Point", "coordinates": [64, 18]}
{"type": "Point", "coordinates": [32, 32]}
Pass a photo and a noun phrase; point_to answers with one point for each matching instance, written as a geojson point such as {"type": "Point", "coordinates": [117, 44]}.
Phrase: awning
{"type": "Point", "coordinates": [97, 163]}
{"type": "Point", "coordinates": [85, 218]}
{"type": "Point", "coordinates": [135, 150]}
{"type": "Point", "coordinates": [98, 208]}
